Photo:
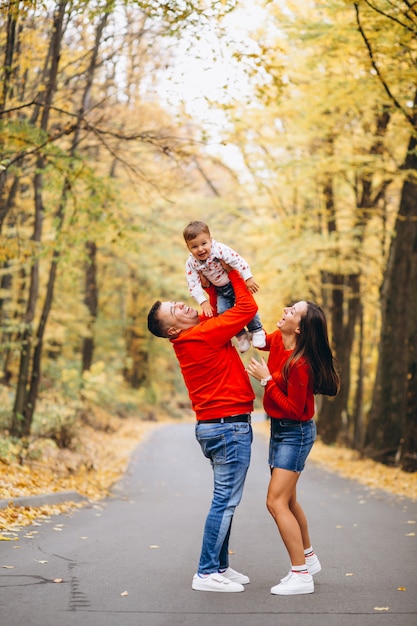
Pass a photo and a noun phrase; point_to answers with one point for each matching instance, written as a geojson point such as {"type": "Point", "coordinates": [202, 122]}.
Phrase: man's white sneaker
{"type": "Point", "coordinates": [259, 339]}
{"type": "Point", "coordinates": [235, 576]}
{"type": "Point", "coordinates": [243, 342]}
{"type": "Point", "coordinates": [294, 584]}
{"type": "Point", "coordinates": [215, 582]}
{"type": "Point", "coordinates": [313, 564]}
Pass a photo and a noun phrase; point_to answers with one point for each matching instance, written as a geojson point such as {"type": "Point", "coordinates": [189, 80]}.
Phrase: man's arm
{"type": "Point", "coordinates": [222, 328]}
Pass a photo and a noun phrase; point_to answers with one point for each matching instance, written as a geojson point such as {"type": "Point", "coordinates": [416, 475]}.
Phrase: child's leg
{"type": "Point", "coordinates": [258, 333]}
{"type": "Point", "coordinates": [255, 324]}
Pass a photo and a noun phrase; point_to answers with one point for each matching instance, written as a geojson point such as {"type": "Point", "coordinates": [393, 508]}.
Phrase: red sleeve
{"type": "Point", "coordinates": [218, 330]}
{"type": "Point", "coordinates": [293, 403]}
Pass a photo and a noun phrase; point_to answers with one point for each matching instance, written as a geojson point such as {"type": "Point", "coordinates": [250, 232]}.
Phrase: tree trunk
{"type": "Point", "coordinates": [91, 302]}
{"type": "Point", "coordinates": [392, 425]}
{"type": "Point", "coordinates": [137, 355]}
{"type": "Point", "coordinates": [23, 407]}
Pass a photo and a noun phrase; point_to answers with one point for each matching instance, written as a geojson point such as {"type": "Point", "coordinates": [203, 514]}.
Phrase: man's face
{"type": "Point", "coordinates": [177, 316]}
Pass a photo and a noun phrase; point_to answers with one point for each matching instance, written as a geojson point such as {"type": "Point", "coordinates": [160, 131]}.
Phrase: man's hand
{"type": "Point", "coordinates": [204, 281]}
{"type": "Point", "coordinates": [225, 266]}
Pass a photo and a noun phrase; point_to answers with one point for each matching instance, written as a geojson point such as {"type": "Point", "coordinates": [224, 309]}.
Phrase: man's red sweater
{"type": "Point", "coordinates": [214, 374]}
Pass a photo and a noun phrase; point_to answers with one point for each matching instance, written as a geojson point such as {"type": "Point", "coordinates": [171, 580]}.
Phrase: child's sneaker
{"type": "Point", "coordinates": [243, 342]}
{"type": "Point", "coordinates": [259, 339]}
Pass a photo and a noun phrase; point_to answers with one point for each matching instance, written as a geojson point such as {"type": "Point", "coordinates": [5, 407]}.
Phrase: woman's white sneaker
{"type": "Point", "coordinates": [313, 564]}
{"type": "Point", "coordinates": [215, 582]}
{"type": "Point", "coordinates": [294, 584]}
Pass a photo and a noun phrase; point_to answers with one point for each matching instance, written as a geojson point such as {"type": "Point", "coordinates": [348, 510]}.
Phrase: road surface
{"type": "Point", "coordinates": [129, 560]}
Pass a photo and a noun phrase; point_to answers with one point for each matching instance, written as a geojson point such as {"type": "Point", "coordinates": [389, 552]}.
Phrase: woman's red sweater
{"type": "Point", "coordinates": [293, 400]}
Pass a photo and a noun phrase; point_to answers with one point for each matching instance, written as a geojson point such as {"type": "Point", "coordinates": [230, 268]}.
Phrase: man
{"type": "Point", "coordinates": [222, 398]}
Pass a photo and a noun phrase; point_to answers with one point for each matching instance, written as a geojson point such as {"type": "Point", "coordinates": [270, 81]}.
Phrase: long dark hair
{"type": "Point", "coordinates": [313, 344]}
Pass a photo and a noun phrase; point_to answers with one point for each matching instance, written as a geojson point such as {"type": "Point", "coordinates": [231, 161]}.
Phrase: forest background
{"type": "Point", "coordinates": [303, 159]}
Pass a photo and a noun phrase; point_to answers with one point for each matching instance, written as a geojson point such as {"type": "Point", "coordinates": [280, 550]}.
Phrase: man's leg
{"type": "Point", "coordinates": [228, 446]}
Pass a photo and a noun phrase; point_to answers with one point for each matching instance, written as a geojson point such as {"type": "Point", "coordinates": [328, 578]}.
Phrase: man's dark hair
{"type": "Point", "coordinates": [155, 325]}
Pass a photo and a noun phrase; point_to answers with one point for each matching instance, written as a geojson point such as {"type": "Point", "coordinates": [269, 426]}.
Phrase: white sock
{"type": "Point", "coordinates": [299, 569]}
{"type": "Point", "coordinates": [309, 552]}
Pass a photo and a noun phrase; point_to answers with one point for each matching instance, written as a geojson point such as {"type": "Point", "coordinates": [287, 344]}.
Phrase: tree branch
{"type": "Point", "coordinates": [376, 68]}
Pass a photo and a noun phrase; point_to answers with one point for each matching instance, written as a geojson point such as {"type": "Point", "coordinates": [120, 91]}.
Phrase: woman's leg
{"type": "Point", "coordinates": [288, 515]}
{"type": "Point", "coordinates": [299, 514]}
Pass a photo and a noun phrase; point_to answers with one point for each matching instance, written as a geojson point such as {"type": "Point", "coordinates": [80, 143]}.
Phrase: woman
{"type": "Point", "coordinates": [300, 365]}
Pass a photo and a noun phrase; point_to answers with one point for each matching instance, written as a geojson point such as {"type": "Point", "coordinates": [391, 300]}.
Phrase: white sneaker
{"type": "Point", "coordinates": [235, 576]}
{"type": "Point", "coordinates": [243, 342]}
{"type": "Point", "coordinates": [259, 339]}
{"type": "Point", "coordinates": [294, 584]}
{"type": "Point", "coordinates": [215, 582]}
{"type": "Point", "coordinates": [313, 564]}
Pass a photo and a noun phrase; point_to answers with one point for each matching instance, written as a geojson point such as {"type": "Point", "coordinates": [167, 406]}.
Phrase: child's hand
{"type": "Point", "coordinates": [252, 285]}
{"type": "Point", "coordinates": [207, 308]}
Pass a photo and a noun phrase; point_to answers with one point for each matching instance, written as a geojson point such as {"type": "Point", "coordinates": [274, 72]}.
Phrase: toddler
{"type": "Point", "coordinates": [204, 257]}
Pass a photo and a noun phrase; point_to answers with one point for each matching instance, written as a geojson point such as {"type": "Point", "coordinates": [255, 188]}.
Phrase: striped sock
{"type": "Point", "coordinates": [299, 569]}
{"type": "Point", "coordinates": [308, 552]}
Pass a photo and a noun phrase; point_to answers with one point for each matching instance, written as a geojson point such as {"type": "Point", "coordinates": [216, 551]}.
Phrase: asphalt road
{"type": "Point", "coordinates": [129, 560]}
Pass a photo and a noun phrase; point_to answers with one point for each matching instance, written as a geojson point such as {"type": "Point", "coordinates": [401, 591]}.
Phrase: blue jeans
{"type": "Point", "coordinates": [290, 443]}
{"type": "Point", "coordinates": [226, 300]}
{"type": "Point", "coordinates": [228, 447]}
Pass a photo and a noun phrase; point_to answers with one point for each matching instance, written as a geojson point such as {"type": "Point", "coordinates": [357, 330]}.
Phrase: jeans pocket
{"type": "Point", "coordinates": [214, 448]}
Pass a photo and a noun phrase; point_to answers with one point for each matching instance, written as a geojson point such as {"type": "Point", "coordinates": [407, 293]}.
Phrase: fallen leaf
{"type": "Point", "coordinates": [381, 608]}
{"type": "Point", "coordinates": [349, 574]}
{"type": "Point", "coordinates": [58, 580]}
{"type": "Point", "coordinates": [42, 561]}
{"type": "Point", "coordinates": [124, 593]}
{"type": "Point", "coordinates": [401, 588]}
{"type": "Point", "coordinates": [411, 521]}
{"type": "Point", "coordinates": [3, 538]}
{"type": "Point", "coordinates": [8, 566]}
{"type": "Point", "coordinates": [410, 534]}
{"type": "Point", "coordinates": [154, 547]}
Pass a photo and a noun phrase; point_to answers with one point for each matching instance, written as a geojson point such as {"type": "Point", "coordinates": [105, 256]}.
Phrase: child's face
{"type": "Point", "coordinates": [200, 246]}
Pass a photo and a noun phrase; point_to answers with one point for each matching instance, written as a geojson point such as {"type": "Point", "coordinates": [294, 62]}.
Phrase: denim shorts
{"type": "Point", "coordinates": [290, 443]}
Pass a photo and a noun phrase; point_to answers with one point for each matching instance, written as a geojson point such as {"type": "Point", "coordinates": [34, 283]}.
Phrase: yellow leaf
{"type": "Point", "coordinates": [401, 588]}
{"type": "Point", "coordinates": [124, 593]}
{"type": "Point", "coordinates": [349, 574]}
{"type": "Point", "coordinates": [154, 547]}
{"type": "Point", "coordinates": [3, 538]}
{"type": "Point", "coordinates": [381, 608]}
{"type": "Point", "coordinates": [58, 580]}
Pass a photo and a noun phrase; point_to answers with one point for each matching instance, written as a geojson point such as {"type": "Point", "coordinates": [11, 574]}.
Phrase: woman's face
{"type": "Point", "coordinates": [291, 318]}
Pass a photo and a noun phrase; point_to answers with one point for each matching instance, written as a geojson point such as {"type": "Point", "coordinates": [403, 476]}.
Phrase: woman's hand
{"type": "Point", "coordinates": [258, 369]}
